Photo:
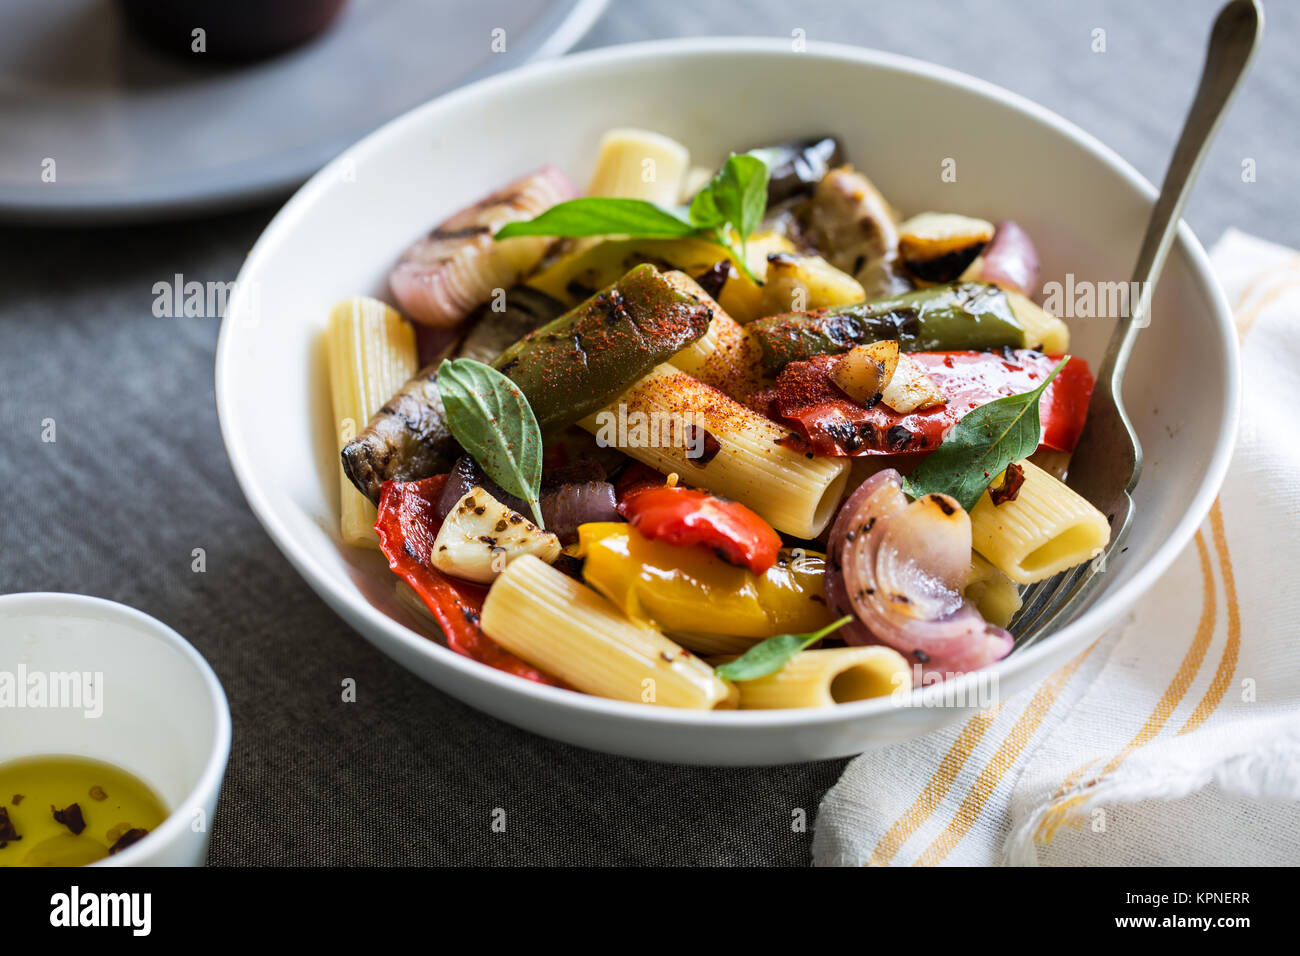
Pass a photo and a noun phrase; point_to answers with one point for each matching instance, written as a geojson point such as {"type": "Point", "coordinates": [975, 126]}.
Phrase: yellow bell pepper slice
{"type": "Point", "coordinates": [581, 275]}
{"type": "Point", "coordinates": [688, 589]}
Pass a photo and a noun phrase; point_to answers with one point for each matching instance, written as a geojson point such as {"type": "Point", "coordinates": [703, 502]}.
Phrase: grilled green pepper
{"type": "Point", "coordinates": [567, 369]}
{"type": "Point", "coordinates": [967, 315]}
{"type": "Point", "coordinates": [572, 366]}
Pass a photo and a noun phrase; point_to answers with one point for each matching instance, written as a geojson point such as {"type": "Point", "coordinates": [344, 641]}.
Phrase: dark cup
{"type": "Point", "coordinates": [232, 30]}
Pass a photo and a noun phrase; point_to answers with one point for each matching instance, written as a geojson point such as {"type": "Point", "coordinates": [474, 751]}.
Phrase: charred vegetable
{"type": "Point", "coordinates": [827, 422]}
{"type": "Point", "coordinates": [865, 371]}
{"type": "Point", "coordinates": [572, 495]}
{"type": "Point", "coordinates": [567, 369]}
{"type": "Point", "coordinates": [910, 389]}
{"type": "Point", "coordinates": [575, 364]}
{"type": "Point", "coordinates": [900, 567]}
{"type": "Point", "coordinates": [849, 223]}
{"type": "Point", "coordinates": [937, 247]}
{"type": "Point", "coordinates": [1010, 261]}
{"type": "Point", "coordinates": [407, 528]}
{"type": "Point", "coordinates": [444, 276]}
{"type": "Point", "coordinates": [967, 315]}
{"type": "Point", "coordinates": [798, 283]}
{"type": "Point", "coordinates": [407, 438]}
{"type": "Point", "coordinates": [795, 169]}
{"type": "Point", "coordinates": [493, 331]}
{"type": "Point", "coordinates": [480, 536]}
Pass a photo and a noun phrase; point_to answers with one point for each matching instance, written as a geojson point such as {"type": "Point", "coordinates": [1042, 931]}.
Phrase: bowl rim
{"type": "Point", "coordinates": [60, 604]}
{"type": "Point", "coordinates": [353, 605]}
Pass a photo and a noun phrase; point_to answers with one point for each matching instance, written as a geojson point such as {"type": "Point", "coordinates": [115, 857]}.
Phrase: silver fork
{"type": "Point", "coordinates": [1108, 458]}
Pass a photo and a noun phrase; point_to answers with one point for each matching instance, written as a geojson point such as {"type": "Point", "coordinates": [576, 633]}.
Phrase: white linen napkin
{"type": "Point", "coordinates": [1175, 739]}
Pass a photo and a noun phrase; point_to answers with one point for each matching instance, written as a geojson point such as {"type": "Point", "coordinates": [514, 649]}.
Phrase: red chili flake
{"type": "Point", "coordinates": [134, 835]}
{"type": "Point", "coordinates": [1010, 488]}
{"type": "Point", "coordinates": [70, 816]}
{"type": "Point", "coordinates": [7, 831]}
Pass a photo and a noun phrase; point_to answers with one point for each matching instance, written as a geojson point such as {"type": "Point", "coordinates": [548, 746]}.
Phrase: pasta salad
{"type": "Point", "coordinates": [713, 438]}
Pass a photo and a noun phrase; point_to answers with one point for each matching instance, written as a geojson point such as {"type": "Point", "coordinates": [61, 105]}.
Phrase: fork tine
{"type": "Point", "coordinates": [1046, 600]}
{"type": "Point", "coordinates": [1032, 600]}
{"type": "Point", "coordinates": [1074, 585]}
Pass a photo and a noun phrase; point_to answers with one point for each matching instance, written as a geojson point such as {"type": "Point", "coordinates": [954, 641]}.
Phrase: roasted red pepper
{"type": "Point", "coordinates": [828, 422]}
{"type": "Point", "coordinates": [687, 517]}
{"type": "Point", "coordinates": [408, 523]}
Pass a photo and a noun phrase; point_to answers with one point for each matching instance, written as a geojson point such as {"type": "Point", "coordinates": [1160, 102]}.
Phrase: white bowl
{"type": "Point", "coordinates": [899, 120]}
{"type": "Point", "coordinates": [159, 711]}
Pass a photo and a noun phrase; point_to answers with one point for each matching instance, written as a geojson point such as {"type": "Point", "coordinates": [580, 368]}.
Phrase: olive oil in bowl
{"type": "Point", "coordinates": [71, 811]}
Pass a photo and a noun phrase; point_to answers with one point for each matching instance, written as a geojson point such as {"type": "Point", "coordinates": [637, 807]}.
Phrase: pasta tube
{"type": "Point", "coordinates": [992, 592]}
{"type": "Point", "coordinates": [1043, 331]}
{"type": "Point", "coordinates": [823, 678]}
{"type": "Point", "coordinates": [675, 423]}
{"type": "Point", "coordinates": [565, 628]}
{"type": "Point", "coordinates": [372, 354]}
{"type": "Point", "coordinates": [639, 164]}
{"type": "Point", "coordinates": [1046, 528]}
{"type": "Point", "coordinates": [724, 356]}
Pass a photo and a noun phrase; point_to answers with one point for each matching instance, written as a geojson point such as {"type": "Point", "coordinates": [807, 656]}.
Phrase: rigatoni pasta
{"type": "Point", "coordinates": [1047, 528]}
{"type": "Point", "coordinates": [824, 678]}
{"type": "Point", "coordinates": [797, 494]}
{"type": "Point", "coordinates": [995, 594]}
{"type": "Point", "coordinates": [372, 353]}
{"type": "Point", "coordinates": [724, 356]}
{"type": "Point", "coordinates": [640, 164]}
{"type": "Point", "coordinates": [552, 621]}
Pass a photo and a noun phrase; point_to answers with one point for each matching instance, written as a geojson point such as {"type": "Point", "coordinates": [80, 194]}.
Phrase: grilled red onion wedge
{"type": "Point", "coordinates": [1009, 260]}
{"type": "Point", "coordinates": [901, 567]}
{"type": "Point", "coordinates": [444, 276]}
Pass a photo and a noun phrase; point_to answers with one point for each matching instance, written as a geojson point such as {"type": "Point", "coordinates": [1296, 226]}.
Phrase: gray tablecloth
{"type": "Point", "coordinates": [138, 477]}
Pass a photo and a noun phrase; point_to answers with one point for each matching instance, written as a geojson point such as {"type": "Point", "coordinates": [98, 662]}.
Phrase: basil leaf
{"type": "Point", "coordinates": [981, 445]}
{"type": "Point", "coordinates": [596, 216]}
{"type": "Point", "coordinates": [736, 195]}
{"type": "Point", "coordinates": [774, 653]}
{"type": "Point", "coordinates": [704, 211]}
{"type": "Point", "coordinates": [492, 420]}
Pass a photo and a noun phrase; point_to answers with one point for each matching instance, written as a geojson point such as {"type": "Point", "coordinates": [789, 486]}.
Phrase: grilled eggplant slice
{"type": "Point", "coordinates": [795, 169]}
{"type": "Point", "coordinates": [446, 275]}
{"type": "Point", "coordinates": [406, 440]}
{"type": "Point", "coordinates": [937, 246]}
{"type": "Point", "coordinates": [492, 332]}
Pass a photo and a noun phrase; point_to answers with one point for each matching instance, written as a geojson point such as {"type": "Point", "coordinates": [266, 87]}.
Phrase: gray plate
{"type": "Point", "coordinates": [134, 134]}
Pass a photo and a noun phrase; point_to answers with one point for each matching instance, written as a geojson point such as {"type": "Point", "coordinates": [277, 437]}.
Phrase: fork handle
{"type": "Point", "coordinates": [1233, 43]}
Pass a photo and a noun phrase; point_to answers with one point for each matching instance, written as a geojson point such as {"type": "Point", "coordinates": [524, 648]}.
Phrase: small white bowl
{"type": "Point", "coordinates": [162, 713]}
{"type": "Point", "coordinates": [904, 123]}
